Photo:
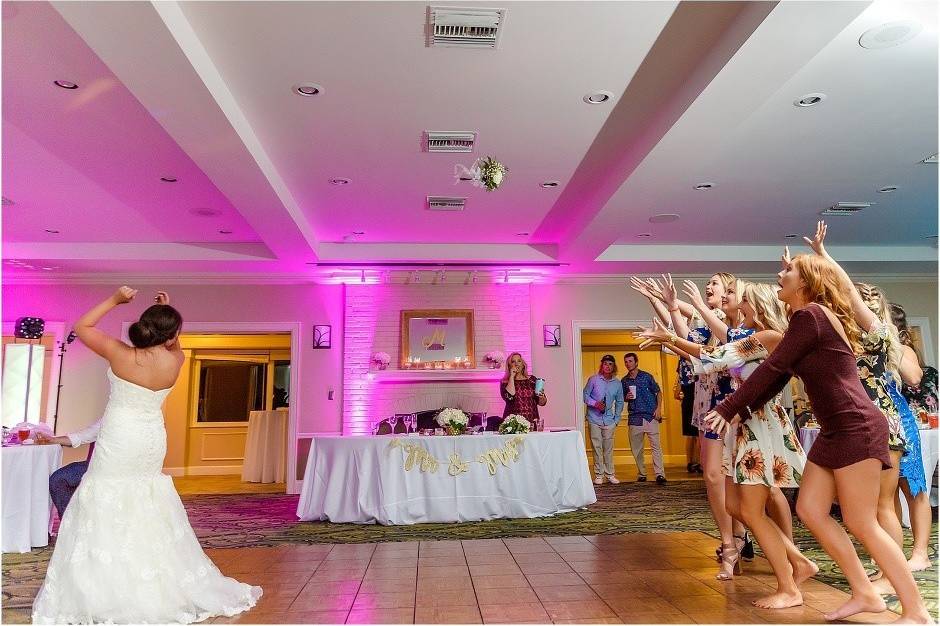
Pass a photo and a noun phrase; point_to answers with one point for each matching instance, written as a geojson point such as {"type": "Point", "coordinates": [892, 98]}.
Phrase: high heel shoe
{"type": "Point", "coordinates": [689, 468]}
{"type": "Point", "coordinates": [747, 547]}
{"type": "Point", "coordinates": [730, 563]}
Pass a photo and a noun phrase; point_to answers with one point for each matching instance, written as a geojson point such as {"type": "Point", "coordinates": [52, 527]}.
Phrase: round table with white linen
{"type": "Point", "coordinates": [266, 447]}
{"type": "Point", "coordinates": [808, 437]}
{"type": "Point", "coordinates": [417, 479]}
{"type": "Point", "coordinates": [27, 507]}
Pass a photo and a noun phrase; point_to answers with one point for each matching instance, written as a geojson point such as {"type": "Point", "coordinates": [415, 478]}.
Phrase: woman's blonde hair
{"type": "Point", "coordinates": [768, 308]}
{"type": "Point", "coordinates": [824, 287]}
{"type": "Point", "coordinates": [876, 301]}
{"type": "Point", "coordinates": [525, 367]}
{"type": "Point", "coordinates": [727, 280]}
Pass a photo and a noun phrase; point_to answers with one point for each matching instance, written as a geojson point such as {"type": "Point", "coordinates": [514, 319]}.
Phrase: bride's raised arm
{"type": "Point", "coordinates": [100, 342]}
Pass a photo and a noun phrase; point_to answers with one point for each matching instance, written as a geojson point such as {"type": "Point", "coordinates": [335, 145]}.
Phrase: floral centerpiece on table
{"type": "Point", "coordinates": [454, 420]}
{"type": "Point", "coordinates": [514, 425]}
{"type": "Point", "coordinates": [495, 358]}
{"type": "Point", "coordinates": [382, 359]}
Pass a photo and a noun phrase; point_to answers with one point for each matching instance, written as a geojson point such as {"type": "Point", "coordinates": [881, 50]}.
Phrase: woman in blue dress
{"type": "Point", "coordinates": [913, 483]}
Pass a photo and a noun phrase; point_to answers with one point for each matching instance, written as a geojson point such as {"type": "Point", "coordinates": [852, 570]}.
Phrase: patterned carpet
{"type": "Point", "coordinates": [245, 520]}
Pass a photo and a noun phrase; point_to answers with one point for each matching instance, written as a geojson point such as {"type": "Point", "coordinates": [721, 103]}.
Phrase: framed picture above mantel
{"type": "Point", "coordinates": [437, 335]}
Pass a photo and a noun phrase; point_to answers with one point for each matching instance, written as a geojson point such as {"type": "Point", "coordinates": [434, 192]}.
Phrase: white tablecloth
{"type": "Point", "coordinates": [266, 447]}
{"type": "Point", "coordinates": [808, 438]}
{"type": "Point", "coordinates": [929, 446]}
{"type": "Point", "coordinates": [364, 480]}
{"type": "Point", "coordinates": [27, 506]}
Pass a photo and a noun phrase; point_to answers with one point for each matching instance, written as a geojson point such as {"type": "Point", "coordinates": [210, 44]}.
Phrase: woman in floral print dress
{"type": "Point", "coordinates": [767, 453]}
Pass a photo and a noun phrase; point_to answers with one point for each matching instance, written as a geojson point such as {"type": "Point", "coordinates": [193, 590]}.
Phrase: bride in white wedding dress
{"type": "Point", "coordinates": [126, 552]}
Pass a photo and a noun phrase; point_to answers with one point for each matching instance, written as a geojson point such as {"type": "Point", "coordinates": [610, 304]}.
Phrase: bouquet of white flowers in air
{"type": "Point", "coordinates": [514, 425]}
{"type": "Point", "coordinates": [454, 420]}
{"type": "Point", "coordinates": [495, 357]}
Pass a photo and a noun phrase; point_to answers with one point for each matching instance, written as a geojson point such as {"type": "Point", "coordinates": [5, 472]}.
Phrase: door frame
{"type": "Point", "coordinates": [293, 412]}
{"type": "Point", "coordinates": [577, 326]}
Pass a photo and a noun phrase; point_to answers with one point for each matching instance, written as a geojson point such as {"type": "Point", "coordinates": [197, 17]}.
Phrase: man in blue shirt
{"type": "Point", "coordinates": [603, 396]}
{"type": "Point", "coordinates": [644, 415]}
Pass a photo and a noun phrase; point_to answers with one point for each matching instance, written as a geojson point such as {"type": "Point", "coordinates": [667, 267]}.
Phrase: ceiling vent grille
{"type": "Point", "coordinates": [446, 203]}
{"type": "Point", "coordinates": [455, 27]}
{"type": "Point", "coordinates": [449, 141]}
{"type": "Point", "coordinates": [846, 208]}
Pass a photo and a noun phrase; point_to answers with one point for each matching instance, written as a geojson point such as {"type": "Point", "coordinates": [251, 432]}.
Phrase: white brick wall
{"type": "Point", "coordinates": [372, 324]}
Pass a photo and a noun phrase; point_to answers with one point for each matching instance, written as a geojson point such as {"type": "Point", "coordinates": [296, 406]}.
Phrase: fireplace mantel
{"type": "Point", "coordinates": [431, 376]}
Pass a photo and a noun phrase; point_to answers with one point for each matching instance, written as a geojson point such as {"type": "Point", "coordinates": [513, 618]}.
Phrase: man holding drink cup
{"type": "Point", "coordinates": [644, 415]}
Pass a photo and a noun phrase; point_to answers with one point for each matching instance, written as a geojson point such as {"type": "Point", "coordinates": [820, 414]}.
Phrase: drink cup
{"type": "Point", "coordinates": [632, 392]}
{"type": "Point", "coordinates": [22, 434]}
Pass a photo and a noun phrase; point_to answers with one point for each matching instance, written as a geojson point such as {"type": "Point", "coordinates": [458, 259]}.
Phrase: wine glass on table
{"type": "Point", "coordinates": [393, 421]}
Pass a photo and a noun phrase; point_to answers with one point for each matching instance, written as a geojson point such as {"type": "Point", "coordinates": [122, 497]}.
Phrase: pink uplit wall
{"type": "Point", "coordinates": [85, 387]}
{"type": "Point", "coordinates": [501, 321]}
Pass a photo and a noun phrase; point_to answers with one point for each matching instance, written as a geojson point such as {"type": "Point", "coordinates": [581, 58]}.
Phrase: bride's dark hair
{"type": "Point", "coordinates": [158, 324]}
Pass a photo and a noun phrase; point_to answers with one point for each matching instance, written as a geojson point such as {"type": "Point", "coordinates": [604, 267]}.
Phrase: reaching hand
{"type": "Point", "coordinates": [817, 243]}
{"type": "Point", "coordinates": [124, 295]}
{"type": "Point", "coordinates": [161, 298]}
{"type": "Point", "coordinates": [786, 259]}
{"type": "Point", "coordinates": [692, 292]}
{"type": "Point", "coordinates": [669, 291]}
{"type": "Point", "coordinates": [656, 289]}
{"type": "Point", "coordinates": [658, 333]}
{"type": "Point", "coordinates": [639, 286]}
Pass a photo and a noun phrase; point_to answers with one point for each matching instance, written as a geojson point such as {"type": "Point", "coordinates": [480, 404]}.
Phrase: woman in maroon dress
{"type": "Point", "coordinates": [846, 461]}
{"type": "Point", "coordinates": [518, 390]}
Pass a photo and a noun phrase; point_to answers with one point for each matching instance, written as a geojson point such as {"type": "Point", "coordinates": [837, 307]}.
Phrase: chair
{"type": "Point", "coordinates": [493, 422]}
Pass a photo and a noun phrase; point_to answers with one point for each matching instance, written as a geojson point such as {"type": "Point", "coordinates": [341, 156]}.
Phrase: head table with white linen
{"type": "Point", "coordinates": [27, 507]}
{"type": "Point", "coordinates": [407, 479]}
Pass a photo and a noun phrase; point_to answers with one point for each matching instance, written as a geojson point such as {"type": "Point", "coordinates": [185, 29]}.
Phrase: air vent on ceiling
{"type": "Point", "coordinates": [446, 203]}
{"type": "Point", "coordinates": [465, 27]}
{"type": "Point", "coordinates": [449, 141]}
{"type": "Point", "coordinates": [846, 208]}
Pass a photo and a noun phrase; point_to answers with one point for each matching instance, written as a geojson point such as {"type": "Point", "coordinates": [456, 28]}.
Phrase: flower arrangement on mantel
{"type": "Point", "coordinates": [454, 420]}
{"type": "Point", "coordinates": [495, 358]}
{"type": "Point", "coordinates": [514, 425]}
{"type": "Point", "coordinates": [381, 359]}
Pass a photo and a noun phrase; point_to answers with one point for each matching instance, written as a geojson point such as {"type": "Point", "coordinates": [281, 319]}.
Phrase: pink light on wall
{"type": "Point", "coordinates": [372, 324]}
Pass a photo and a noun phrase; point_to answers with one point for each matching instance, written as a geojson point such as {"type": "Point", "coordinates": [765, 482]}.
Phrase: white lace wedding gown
{"type": "Point", "coordinates": [126, 552]}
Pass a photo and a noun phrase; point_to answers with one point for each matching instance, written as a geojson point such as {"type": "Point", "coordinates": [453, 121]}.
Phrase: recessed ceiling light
{"type": "Point", "coordinates": [169, 179]}
{"type": "Point", "coordinates": [548, 184]}
{"type": "Point", "coordinates": [644, 234]}
{"type": "Point", "coordinates": [930, 159]}
{"type": "Point", "coordinates": [704, 186]}
{"type": "Point", "coordinates": [52, 231]}
{"type": "Point", "coordinates": [930, 237]}
{"type": "Point", "coordinates": [888, 189]}
{"type": "Point", "coordinates": [809, 100]}
{"type": "Point", "coordinates": [522, 234]}
{"type": "Point", "coordinates": [359, 232]}
{"type": "Point", "coordinates": [890, 34]}
{"type": "Point", "coordinates": [791, 236]}
{"type": "Point", "coordinates": [339, 181]}
{"type": "Point", "coordinates": [205, 212]}
{"type": "Point", "coordinates": [48, 269]}
{"type": "Point", "coordinates": [65, 84]}
{"type": "Point", "coordinates": [307, 89]}
{"type": "Point", "coordinates": [664, 218]}
{"type": "Point", "coordinates": [225, 232]}
{"type": "Point", "coordinates": [598, 97]}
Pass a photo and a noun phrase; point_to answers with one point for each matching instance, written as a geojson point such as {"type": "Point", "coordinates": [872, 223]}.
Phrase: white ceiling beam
{"type": "Point", "coordinates": [161, 61]}
{"type": "Point", "coordinates": [112, 251]}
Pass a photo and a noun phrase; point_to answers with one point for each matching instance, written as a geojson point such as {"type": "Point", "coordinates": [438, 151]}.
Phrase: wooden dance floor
{"type": "Point", "coordinates": [634, 578]}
